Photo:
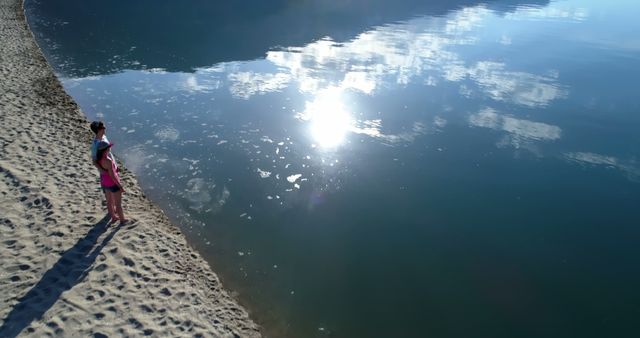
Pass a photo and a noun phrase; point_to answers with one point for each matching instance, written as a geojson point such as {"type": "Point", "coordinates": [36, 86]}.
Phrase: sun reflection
{"type": "Point", "coordinates": [329, 119]}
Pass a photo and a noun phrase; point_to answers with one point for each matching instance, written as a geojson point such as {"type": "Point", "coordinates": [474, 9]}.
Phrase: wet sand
{"type": "Point", "coordinates": [64, 270]}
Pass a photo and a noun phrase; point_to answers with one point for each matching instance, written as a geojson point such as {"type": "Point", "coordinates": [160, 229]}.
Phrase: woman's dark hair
{"type": "Point", "coordinates": [96, 126]}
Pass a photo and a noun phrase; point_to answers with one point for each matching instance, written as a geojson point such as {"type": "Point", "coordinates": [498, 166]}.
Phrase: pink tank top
{"type": "Point", "coordinates": [106, 180]}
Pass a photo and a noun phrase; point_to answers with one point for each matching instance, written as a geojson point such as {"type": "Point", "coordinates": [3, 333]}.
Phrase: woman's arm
{"type": "Point", "coordinates": [97, 160]}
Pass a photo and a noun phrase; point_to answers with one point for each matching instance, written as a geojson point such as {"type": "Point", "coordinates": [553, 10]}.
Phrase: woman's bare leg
{"type": "Point", "coordinates": [111, 206]}
{"type": "Point", "coordinates": [117, 198]}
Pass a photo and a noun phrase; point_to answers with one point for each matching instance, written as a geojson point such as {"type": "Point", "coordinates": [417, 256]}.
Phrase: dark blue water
{"type": "Point", "coordinates": [382, 168]}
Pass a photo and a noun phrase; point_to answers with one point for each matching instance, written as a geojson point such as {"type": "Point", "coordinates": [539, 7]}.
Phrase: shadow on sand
{"type": "Point", "coordinates": [69, 270]}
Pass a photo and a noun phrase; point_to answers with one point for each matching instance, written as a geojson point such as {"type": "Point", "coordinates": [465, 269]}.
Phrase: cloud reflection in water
{"type": "Point", "coordinates": [246, 84]}
{"type": "Point", "coordinates": [422, 51]}
{"type": "Point", "coordinates": [588, 158]}
{"type": "Point", "coordinates": [417, 49]}
{"type": "Point", "coordinates": [525, 129]}
{"type": "Point", "coordinates": [520, 133]}
{"type": "Point", "coordinates": [392, 55]}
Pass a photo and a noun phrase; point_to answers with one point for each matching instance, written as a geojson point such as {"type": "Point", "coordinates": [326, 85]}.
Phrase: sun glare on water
{"type": "Point", "coordinates": [329, 120]}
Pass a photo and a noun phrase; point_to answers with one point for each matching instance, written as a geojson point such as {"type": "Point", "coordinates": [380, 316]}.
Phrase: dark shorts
{"type": "Point", "coordinates": [114, 188]}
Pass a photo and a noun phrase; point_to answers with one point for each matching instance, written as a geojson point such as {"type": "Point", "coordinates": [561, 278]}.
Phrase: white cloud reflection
{"type": "Point", "coordinates": [517, 87]}
{"type": "Point", "coordinates": [557, 11]}
{"type": "Point", "coordinates": [420, 48]}
{"type": "Point", "coordinates": [246, 84]}
{"type": "Point", "coordinates": [467, 19]}
{"type": "Point", "coordinates": [193, 83]}
{"type": "Point", "coordinates": [588, 158]}
{"type": "Point", "coordinates": [373, 128]}
{"type": "Point", "coordinates": [519, 129]}
{"type": "Point", "coordinates": [423, 50]}
{"type": "Point", "coordinates": [592, 158]}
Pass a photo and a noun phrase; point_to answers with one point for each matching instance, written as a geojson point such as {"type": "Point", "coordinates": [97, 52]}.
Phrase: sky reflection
{"type": "Point", "coordinates": [330, 81]}
{"type": "Point", "coordinates": [420, 51]}
{"type": "Point", "coordinates": [421, 48]}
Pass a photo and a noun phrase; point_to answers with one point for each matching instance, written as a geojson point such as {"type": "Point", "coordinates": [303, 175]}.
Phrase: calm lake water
{"type": "Point", "coordinates": [382, 168]}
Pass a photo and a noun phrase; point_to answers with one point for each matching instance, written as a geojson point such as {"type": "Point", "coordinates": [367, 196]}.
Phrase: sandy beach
{"type": "Point", "coordinates": [64, 270]}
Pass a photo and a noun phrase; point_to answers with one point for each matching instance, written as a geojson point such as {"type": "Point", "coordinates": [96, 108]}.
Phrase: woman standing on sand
{"type": "Point", "coordinates": [99, 129]}
{"type": "Point", "coordinates": [110, 181]}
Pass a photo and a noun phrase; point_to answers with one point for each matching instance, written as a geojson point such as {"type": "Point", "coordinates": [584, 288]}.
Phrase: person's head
{"type": "Point", "coordinates": [103, 147]}
{"type": "Point", "coordinates": [97, 127]}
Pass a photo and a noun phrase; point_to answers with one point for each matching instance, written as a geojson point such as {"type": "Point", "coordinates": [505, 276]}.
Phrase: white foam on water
{"type": "Point", "coordinates": [263, 173]}
{"type": "Point", "coordinates": [293, 178]}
